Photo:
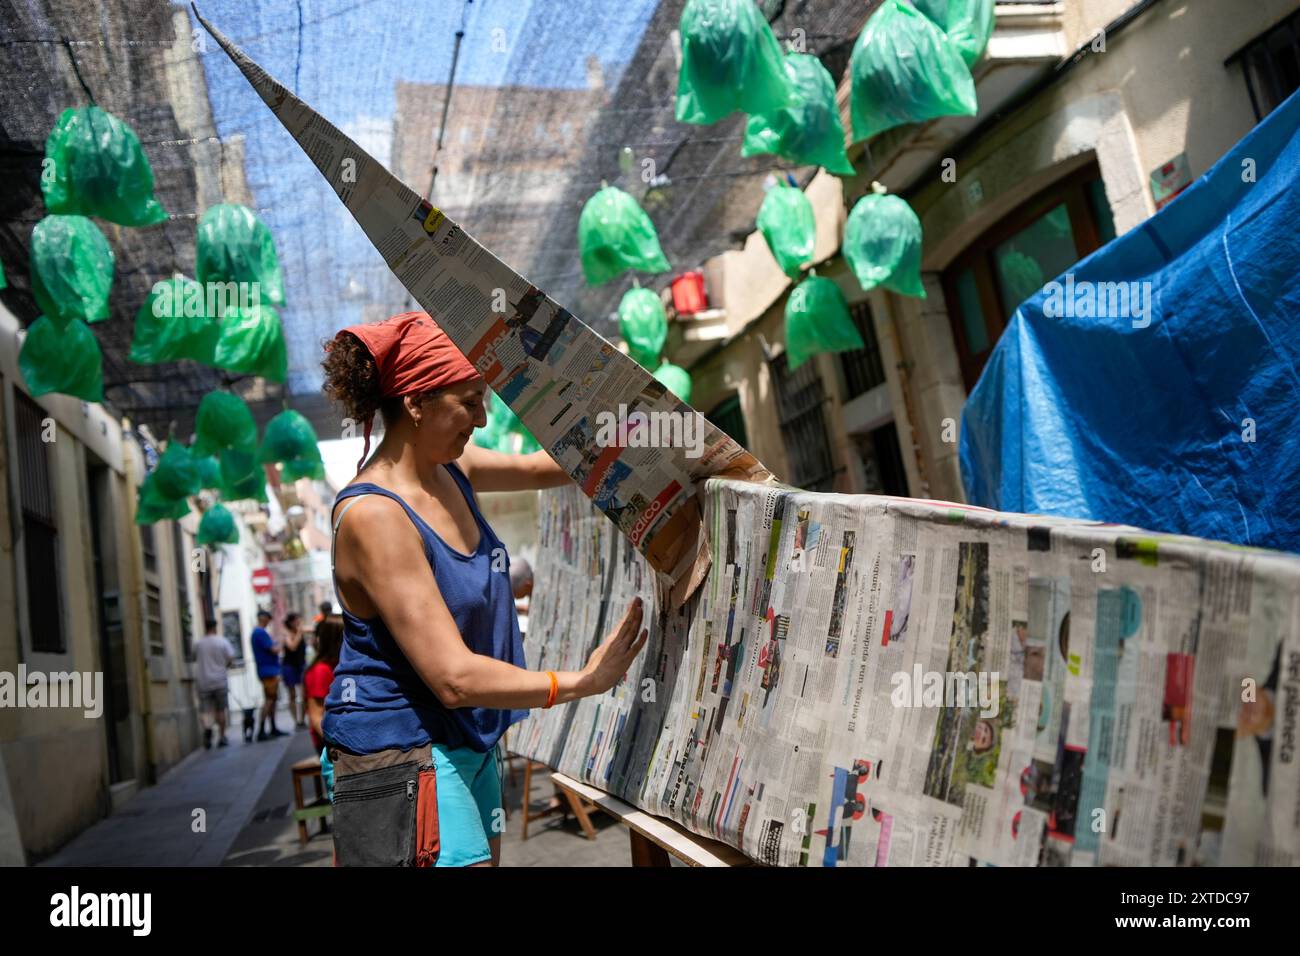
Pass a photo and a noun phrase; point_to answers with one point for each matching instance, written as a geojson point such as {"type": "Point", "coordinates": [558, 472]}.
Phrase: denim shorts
{"type": "Point", "coordinates": [435, 807]}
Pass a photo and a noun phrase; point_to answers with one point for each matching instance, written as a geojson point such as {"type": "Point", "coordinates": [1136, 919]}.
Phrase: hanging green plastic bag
{"type": "Point", "coordinates": [288, 437]}
{"type": "Point", "coordinates": [817, 320]}
{"type": "Point", "coordinates": [252, 487]}
{"type": "Point", "coordinates": [223, 421]}
{"type": "Point", "coordinates": [234, 245]}
{"type": "Point", "coordinates": [312, 468]}
{"type": "Point", "coordinates": [904, 70]}
{"type": "Point", "coordinates": [676, 378]}
{"type": "Point", "coordinates": [152, 505]}
{"type": "Point", "coordinates": [786, 221]}
{"type": "Point", "coordinates": [511, 426]}
{"type": "Point", "coordinates": [882, 244]}
{"type": "Point", "coordinates": [72, 269]}
{"type": "Point", "coordinates": [99, 169]}
{"type": "Point", "coordinates": [730, 61]}
{"type": "Point", "coordinates": [643, 325]}
{"type": "Point", "coordinates": [177, 474]}
{"type": "Point", "coordinates": [808, 129]}
{"type": "Point", "coordinates": [172, 324]}
{"type": "Point", "coordinates": [63, 360]}
{"type": "Point", "coordinates": [614, 235]}
{"type": "Point", "coordinates": [252, 342]}
{"type": "Point", "coordinates": [968, 24]}
{"type": "Point", "coordinates": [237, 464]}
{"type": "Point", "coordinates": [217, 526]}
{"type": "Point", "coordinates": [209, 471]}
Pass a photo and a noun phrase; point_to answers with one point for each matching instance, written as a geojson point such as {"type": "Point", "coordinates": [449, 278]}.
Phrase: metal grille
{"type": "Point", "coordinates": [728, 416]}
{"type": "Point", "coordinates": [862, 367]}
{"type": "Point", "coordinates": [799, 399]}
{"type": "Point", "coordinates": [153, 619]}
{"type": "Point", "coordinates": [148, 549]}
{"type": "Point", "coordinates": [33, 466]}
{"type": "Point", "coordinates": [182, 589]}
{"type": "Point", "coordinates": [40, 529]}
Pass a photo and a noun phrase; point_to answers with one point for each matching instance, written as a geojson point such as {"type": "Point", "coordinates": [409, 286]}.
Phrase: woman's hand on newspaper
{"type": "Point", "coordinates": [610, 661]}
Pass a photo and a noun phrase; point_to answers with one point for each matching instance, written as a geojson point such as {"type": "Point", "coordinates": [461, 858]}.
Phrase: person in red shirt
{"type": "Point", "coordinates": [316, 682]}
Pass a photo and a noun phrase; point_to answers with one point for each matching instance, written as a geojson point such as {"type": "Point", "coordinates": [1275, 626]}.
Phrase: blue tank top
{"type": "Point", "coordinates": [377, 701]}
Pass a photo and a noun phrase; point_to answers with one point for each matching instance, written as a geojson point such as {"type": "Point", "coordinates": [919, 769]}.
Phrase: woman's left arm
{"type": "Point", "coordinates": [496, 471]}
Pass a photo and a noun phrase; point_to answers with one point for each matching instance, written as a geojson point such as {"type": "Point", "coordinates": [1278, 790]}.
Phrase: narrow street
{"type": "Point", "coordinates": [246, 794]}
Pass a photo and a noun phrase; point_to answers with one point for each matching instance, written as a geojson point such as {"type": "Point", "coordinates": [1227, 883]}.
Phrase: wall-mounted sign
{"type": "Point", "coordinates": [261, 580]}
{"type": "Point", "coordinates": [1169, 180]}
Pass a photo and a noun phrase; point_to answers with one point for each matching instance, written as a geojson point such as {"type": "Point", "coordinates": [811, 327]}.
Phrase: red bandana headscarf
{"type": "Point", "coordinates": [413, 356]}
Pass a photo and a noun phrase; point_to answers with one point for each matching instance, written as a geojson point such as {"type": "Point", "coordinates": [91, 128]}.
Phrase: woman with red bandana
{"type": "Point", "coordinates": [432, 670]}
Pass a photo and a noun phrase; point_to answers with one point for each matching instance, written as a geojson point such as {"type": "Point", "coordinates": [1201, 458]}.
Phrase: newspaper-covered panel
{"type": "Point", "coordinates": [589, 405]}
{"type": "Point", "coordinates": [869, 681]}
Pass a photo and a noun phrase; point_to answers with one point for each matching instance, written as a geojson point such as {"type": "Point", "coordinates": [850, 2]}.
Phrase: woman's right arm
{"type": "Point", "coordinates": [380, 556]}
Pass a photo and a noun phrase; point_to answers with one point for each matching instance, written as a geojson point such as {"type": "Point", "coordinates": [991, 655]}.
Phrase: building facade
{"type": "Point", "coordinates": [1079, 137]}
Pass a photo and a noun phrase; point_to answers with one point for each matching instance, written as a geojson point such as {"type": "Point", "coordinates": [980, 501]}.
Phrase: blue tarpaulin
{"type": "Point", "coordinates": [1157, 383]}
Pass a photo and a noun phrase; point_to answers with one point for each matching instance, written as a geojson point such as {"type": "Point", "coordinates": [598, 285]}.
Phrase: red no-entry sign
{"type": "Point", "coordinates": [261, 580]}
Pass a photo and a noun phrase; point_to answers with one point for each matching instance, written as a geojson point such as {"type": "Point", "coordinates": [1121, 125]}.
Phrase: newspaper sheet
{"type": "Point", "coordinates": [560, 377]}
{"type": "Point", "coordinates": [869, 681]}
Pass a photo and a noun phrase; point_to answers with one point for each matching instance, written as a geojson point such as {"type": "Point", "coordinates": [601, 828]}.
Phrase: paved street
{"type": "Point", "coordinates": [245, 793]}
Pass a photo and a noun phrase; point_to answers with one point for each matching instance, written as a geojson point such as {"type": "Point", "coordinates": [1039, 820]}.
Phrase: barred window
{"type": "Point", "coordinates": [39, 528]}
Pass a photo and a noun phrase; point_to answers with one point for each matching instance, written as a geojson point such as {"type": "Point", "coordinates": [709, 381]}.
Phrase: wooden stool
{"type": "Point", "coordinates": [320, 807]}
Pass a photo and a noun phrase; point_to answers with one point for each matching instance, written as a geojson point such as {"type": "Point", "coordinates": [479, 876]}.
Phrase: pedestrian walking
{"type": "Point", "coordinates": [293, 660]}
{"type": "Point", "coordinates": [266, 653]}
{"type": "Point", "coordinates": [213, 656]}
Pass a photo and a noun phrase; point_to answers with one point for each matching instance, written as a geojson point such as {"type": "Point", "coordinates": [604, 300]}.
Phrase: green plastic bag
{"type": "Point", "coordinates": [99, 169]}
{"type": "Point", "coordinates": [968, 23]}
{"type": "Point", "coordinates": [288, 437]}
{"type": "Point", "coordinates": [643, 325]}
{"type": "Point", "coordinates": [223, 421]}
{"type": "Point", "coordinates": [313, 468]}
{"type": "Point", "coordinates": [614, 235]}
{"type": "Point", "coordinates": [237, 464]}
{"type": "Point", "coordinates": [177, 474]}
{"type": "Point", "coordinates": [882, 244]}
{"type": "Point", "coordinates": [252, 487]}
{"type": "Point", "coordinates": [152, 505]}
{"type": "Point", "coordinates": [209, 472]}
{"type": "Point", "coordinates": [512, 425]}
{"type": "Point", "coordinates": [730, 61]}
{"type": "Point", "coordinates": [492, 435]}
{"type": "Point", "coordinates": [252, 342]}
{"type": "Point", "coordinates": [807, 130]}
{"type": "Point", "coordinates": [72, 269]}
{"type": "Point", "coordinates": [904, 70]}
{"type": "Point", "coordinates": [234, 245]}
{"type": "Point", "coordinates": [172, 325]}
{"type": "Point", "coordinates": [786, 221]}
{"type": "Point", "coordinates": [217, 526]}
{"type": "Point", "coordinates": [676, 378]}
{"type": "Point", "coordinates": [65, 360]}
{"type": "Point", "coordinates": [817, 320]}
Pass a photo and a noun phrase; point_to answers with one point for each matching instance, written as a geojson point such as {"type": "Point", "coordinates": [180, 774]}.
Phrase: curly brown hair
{"type": "Point", "coordinates": [352, 380]}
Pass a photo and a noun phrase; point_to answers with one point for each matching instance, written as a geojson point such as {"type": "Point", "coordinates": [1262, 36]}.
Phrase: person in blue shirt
{"type": "Point", "coordinates": [266, 654]}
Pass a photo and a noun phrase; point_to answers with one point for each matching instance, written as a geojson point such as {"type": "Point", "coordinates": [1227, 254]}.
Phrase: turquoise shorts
{"type": "Point", "coordinates": [469, 802]}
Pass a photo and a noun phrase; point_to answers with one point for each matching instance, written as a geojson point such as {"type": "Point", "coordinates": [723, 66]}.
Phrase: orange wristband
{"type": "Point", "coordinates": [555, 689]}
